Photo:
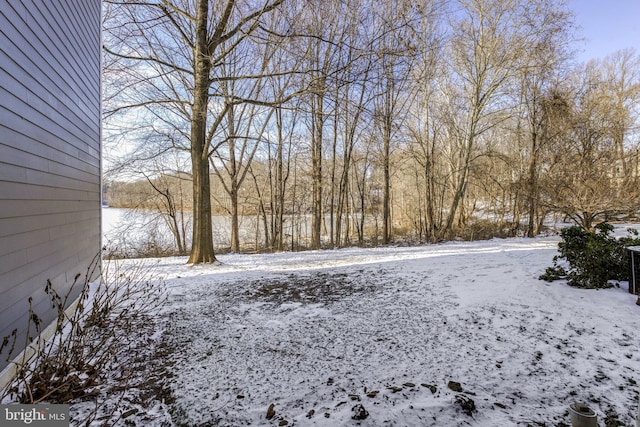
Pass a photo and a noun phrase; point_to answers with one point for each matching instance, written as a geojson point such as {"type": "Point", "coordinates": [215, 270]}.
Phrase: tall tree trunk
{"type": "Point", "coordinates": [235, 223]}
{"type": "Point", "coordinates": [429, 174]}
{"type": "Point", "coordinates": [386, 140]}
{"type": "Point", "coordinates": [532, 184]}
{"type": "Point", "coordinates": [461, 186]}
{"type": "Point", "coordinates": [334, 241]}
{"type": "Point", "coordinates": [316, 161]}
{"type": "Point", "coordinates": [278, 222]}
{"type": "Point", "coordinates": [262, 214]}
{"type": "Point", "coordinates": [386, 203]}
{"type": "Point", "coordinates": [202, 242]}
{"type": "Point", "coordinates": [464, 166]}
{"type": "Point", "coordinates": [233, 185]}
{"type": "Point", "coordinates": [343, 200]}
{"type": "Point", "coordinates": [342, 209]}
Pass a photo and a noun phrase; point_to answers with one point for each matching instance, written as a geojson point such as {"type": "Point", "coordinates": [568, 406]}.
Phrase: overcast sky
{"type": "Point", "coordinates": [607, 26]}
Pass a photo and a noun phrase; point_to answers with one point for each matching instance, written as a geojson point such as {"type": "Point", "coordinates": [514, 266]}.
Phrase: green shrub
{"type": "Point", "coordinates": [591, 259]}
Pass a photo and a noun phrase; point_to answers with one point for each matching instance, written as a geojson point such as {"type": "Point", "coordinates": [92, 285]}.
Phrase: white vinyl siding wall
{"type": "Point", "coordinates": [49, 152]}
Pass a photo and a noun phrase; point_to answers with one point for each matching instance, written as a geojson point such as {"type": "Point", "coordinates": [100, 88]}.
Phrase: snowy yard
{"type": "Point", "coordinates": [322, 335]}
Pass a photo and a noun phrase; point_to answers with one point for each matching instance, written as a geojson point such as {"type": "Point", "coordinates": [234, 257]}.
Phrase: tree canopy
{"type": "Point", "coordinates": [337, 122]}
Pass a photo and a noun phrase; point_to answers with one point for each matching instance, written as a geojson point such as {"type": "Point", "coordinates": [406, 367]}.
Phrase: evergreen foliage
{"type": "Point", "coordinates": [591, 258]}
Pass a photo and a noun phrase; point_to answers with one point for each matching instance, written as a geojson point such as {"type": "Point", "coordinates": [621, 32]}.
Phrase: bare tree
{"type": "Point", "coordinates": [622, 81]}
{"type": "Point", "coordinates": [423, 125]}
{"type": "Point", "coordinates": [489, 46]}
{"type": "Point", "coordinates": [175, 48]}
{"type": "Point", "coordinates": [583, 183]}
{"type": "Point", "coordinates": [545, 61]}
{"type": "Point", "coordinates": [430, 116]}
{"type": "Point", "coordinates": [328, 30]}
{"type": "Point", "coordinates": [394, 52]}
{"type": "Point", "coordinates": [242, 131]}
{"type": "Point", "coordinates": [279, 157]}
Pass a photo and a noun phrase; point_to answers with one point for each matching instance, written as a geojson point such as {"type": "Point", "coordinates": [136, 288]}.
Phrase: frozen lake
{"type": "Point", "coordinates": [134, 231]}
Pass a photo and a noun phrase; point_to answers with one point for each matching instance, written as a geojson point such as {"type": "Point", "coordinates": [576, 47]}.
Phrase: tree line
{"type": "Point", "coordinates": [366, 121]}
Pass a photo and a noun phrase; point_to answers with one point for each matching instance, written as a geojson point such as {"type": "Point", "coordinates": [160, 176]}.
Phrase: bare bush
{"type": "Point", "coordinates": [99, 348]}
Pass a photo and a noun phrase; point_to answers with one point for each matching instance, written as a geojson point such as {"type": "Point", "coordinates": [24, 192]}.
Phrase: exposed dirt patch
{"type": "Point", "coordinates": [312, 288]}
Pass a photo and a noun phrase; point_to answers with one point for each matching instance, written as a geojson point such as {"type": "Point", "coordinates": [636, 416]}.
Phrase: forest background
{"type": "Point", "coordinates": [341, 122]}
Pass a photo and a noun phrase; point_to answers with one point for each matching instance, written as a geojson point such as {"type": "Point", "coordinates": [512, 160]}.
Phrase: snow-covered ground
{"type": "Point", "coordinates": [321, 337]}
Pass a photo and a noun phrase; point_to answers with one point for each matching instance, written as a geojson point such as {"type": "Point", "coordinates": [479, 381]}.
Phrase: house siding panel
{"type": "Point", "coordinates": [49, 153]}
{"type": "Point", "coordinates": [40, 156]}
